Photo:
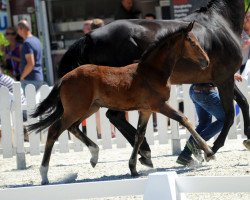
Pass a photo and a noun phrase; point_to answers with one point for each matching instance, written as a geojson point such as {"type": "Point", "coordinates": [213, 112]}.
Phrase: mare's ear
{"type": "Point", "coordinates": [189, 27]}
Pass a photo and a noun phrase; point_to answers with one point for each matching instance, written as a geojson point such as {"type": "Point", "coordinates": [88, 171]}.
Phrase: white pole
{"type": "Point", "coordinates": [43, 27]}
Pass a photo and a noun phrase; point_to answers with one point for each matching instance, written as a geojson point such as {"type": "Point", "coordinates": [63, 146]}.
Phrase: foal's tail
{"type": "Point", "coordinates": [51, 107]}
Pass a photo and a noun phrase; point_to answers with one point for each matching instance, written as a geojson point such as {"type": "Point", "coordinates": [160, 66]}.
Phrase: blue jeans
{"type": "Point", "coordinates": [207, 104]}
{"type": "Point", "coordinates": [37, 84]}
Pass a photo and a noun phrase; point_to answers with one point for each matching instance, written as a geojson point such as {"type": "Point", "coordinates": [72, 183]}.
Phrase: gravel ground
{"type": "Point", "coordinates": [232, 160]}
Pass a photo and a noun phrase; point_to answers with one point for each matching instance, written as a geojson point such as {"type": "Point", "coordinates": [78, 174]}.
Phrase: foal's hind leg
{"type": "Point", "coordinates": [168, 111]}
{"type": "Point", "coordinates": [54, 132]}
{"type": "Point", "coordinates": [141, 130]}
{"type": "Point", "coordinates": [93, 148]}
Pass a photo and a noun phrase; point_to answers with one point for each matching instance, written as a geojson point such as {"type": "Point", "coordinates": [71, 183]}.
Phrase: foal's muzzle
{"type": "Point", "coordinates": [204, 63]}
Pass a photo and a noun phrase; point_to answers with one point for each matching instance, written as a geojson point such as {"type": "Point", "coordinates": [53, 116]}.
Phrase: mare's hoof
{"type": "Point", "coordinates": [146, 162]}
{"type": "Point", "coordinates": [134, 174]}
{"type": "Point", "coordinates": [45, 182]}
{"type": "Point", "coordinates": [246, 143]}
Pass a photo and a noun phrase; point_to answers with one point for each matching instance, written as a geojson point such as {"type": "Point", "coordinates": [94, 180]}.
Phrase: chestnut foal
{"type": "Point", "coordinates": [143, 86]}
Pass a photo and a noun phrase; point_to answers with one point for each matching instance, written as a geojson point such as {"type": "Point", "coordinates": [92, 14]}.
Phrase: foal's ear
{"type": "Point", "coordinates": [190, 27]}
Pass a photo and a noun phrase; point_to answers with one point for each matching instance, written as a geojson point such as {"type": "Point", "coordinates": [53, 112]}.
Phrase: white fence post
{"type": "Point", "coordinates": [34, 138]}
{"type": "Point", "coordinates": [150, 131]}
{"type": "Point", "coordinates": [5, 103]}
{"type": "Point", "coordinates": [162, 186]}
{"type": "Point", "coordinates": [106, 130]}
{"type": "Point", "coordinates": [162, 124]}
{"type": "Point", "coordinates": [176, 143]}
{"type": "Point", "coordinates": [120, 139]}
{"type": "Point", "coordinates": [44, 92]}
{"type": "Point", "coordinates": [18, 124]}
{"type": "Point", "coordinates": [92, 128]}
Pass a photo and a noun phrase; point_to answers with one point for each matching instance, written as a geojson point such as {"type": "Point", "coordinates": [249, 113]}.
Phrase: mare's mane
{"type": "Point", "coordinates": [219, 19]}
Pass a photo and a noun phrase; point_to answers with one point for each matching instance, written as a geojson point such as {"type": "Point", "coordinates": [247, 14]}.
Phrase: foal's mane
{"type": "Point", "coordinates": [161, 39]}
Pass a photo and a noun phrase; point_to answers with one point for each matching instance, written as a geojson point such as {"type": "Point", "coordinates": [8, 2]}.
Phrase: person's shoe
{"type": "Point", "coordinates": [195, 150]}
{"type": "Point", "coordinates": [186, 161]}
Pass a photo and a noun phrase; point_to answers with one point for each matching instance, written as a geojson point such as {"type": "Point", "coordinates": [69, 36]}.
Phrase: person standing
{"type": "Point", "coordinates": [127, 11]}
{"type": "Point", "coordinates": [31, 57]}
{"type": "Point", "coordinates": [12, 53]}
{"type": "Point", "coordinates": [207, 103]}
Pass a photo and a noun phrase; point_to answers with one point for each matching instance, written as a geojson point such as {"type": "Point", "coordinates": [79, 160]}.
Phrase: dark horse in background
{"type": "Point", "coordinates": [218, 29]}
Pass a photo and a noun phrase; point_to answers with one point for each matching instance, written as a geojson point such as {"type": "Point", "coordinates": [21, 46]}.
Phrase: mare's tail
{"type": "Point", "coordinates": [75, 56]}
{"type": "Point", "coordinates": [51, 107]}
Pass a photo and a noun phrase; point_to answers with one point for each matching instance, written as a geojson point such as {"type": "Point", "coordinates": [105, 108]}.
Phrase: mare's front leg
{"type": "Point", "coordinates": [244, 106]}
{"type": "Point", "coordinates": [168, 111]}
{"type": "Point", "coordinates": [226, 92]}
{"type": "Point", "coordinates": [141, 130]}
{"type": "Point", "coordinates": [117, 118]}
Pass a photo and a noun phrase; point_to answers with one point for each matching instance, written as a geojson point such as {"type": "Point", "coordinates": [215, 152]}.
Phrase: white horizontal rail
{"type": "Point", "coordinates": [160, 186]}
{"type": "Point", "coordinates": [219, 184]}
{"type": "Point", "coordinates": [77, 190]}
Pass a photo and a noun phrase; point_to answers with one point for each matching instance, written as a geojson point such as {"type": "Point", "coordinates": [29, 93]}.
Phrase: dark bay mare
{"type": "Point", "coordinates": [218, 28]}
{"type": "Point", "coordinates": [81, 92]}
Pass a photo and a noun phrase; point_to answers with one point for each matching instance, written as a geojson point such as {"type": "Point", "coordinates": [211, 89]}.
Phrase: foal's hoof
{"type": "Point", "coordinates": [146, 162]}
{"type": "Point", "coordinates": [95, 155]}
{"type": "Point", "coordinates": [246, 143]}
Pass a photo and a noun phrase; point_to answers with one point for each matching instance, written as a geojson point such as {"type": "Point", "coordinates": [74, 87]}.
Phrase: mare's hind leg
{"type": "Point", "coordinates": [242, 102]}
{"type": "Point", "coordinates": [226, 91]}
{"type": "Point", "coordinates": [54, 132]}
{"type": "Point", "coordinates": [93, 148]}
{"type": "Point", "coordinates": [168, 111]}
{"type": "Point", "coordinates": [117, 118]}
{"type": "Point", "coordinates": [141, 130]}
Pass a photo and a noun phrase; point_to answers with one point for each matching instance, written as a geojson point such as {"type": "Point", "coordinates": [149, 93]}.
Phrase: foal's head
{"type": "Point", "coordinates": [191, 48]}
{"type": "Point", "coordinates": [172, 46]}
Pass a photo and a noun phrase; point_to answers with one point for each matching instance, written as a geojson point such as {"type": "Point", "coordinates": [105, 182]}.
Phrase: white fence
{"type": "Point", "coordinates": [160, 186]}
{"type": "Point", "coordinates": [12, 141]}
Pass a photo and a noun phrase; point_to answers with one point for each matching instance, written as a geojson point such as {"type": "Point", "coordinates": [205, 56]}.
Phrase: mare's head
{"type": "Point", "coordinates": [191, 48]}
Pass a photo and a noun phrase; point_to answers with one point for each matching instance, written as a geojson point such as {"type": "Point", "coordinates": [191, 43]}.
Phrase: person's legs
{"type": "Point", "coordinates": [24, 83]}
{"type": "Point", "coordinates": [213, 106]}
{"type": "Point", "coordinates": [204, 119]}
{"type": "Point", "coordinates": [37, 84]}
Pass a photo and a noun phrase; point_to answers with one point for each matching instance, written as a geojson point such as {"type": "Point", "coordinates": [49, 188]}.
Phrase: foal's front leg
{"type": "Point", "coordinates": [141, 130]}
{"type": "Point", "coordinates": [168, 111]}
